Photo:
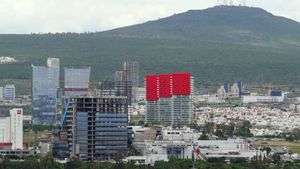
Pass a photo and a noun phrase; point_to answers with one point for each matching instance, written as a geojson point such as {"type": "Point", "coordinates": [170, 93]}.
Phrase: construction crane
{"type": "Point", "coordinates": [65, 112]}
{"type": "Point", "coordinates": [271, 87]}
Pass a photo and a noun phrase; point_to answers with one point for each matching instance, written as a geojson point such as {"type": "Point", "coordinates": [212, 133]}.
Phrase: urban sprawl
{"type": "Point", "coordinates": [159, 116]}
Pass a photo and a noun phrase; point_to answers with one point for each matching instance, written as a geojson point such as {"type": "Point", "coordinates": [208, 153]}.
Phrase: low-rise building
{"type": "Point", "coordinates": [9, 92]}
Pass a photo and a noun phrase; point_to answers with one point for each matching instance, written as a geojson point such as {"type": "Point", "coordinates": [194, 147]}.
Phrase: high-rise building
{"type": "Point", "coordinates": [240, 87]}
{"type": "Point", "coordinates": [77, 81]}
{"type": "Point", "coordinates": [11, 129]}
{"type": "Point", "coordinates": [123, 85]}
{"type": "Point", "coordinates": [129, 78]}
{"type": "Point", "coordinates": [132, 69]}
{"type": "Point", "coordinates": [45, 83]}
{"type": "Point", "coordinates": [96, 126]}
{"type": "Point", "coordinates": [1, 93]}
{"type": "Point", "coordinates": [9, 92]}
{"type": "Point", "coordinates": [169, 98]}
{"type": "Point", "coordinates": [16, 128]}
{"type": "Point", "coordinates": [53, 62]}
{"type": "Point", "coordinates": [227, 87]}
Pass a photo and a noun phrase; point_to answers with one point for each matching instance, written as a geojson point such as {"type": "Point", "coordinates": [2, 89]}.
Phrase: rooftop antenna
{"type": "Point", "coordinates": [231, 3]}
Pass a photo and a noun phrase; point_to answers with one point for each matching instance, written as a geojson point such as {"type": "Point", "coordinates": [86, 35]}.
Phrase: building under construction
{"type": "Point", "coordinates": [115, 88]}
{"type": "Point", "coordinates": [128, 78]}
{"type": "Point", "coordinates": [96, 126]}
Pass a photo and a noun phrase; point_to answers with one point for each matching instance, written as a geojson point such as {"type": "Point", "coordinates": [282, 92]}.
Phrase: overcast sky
{"type": "Point", "coordinates": [28, 16]}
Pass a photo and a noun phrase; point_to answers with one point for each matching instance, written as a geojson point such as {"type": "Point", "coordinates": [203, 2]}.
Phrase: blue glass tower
{"type": "Point", "coordinates": [45, 82]}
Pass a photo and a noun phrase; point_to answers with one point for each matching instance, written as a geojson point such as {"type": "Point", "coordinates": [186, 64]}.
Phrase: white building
{"type": "Point", "coordinates": [53, 62]}
{"type": "Point", "coordinates": [9, 92]}
{"type": "Point", "coordinates": [11, 129]}
{"type": "Point", "coordinates": [230, 149]}
{"type": "Point", "coordinates": [262, 99]}
{"type": "Point", "coordinates": [1, 93]}
{"type": "Point", "coordinates": [184, 134]}
{"type": "Point", "coordinates": [6, 59]}
{"type": "Point", "coordinates": [162, 150]}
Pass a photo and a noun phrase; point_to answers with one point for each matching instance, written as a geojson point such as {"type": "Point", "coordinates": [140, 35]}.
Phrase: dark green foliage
{"type": "Point", "coordinates": [223, 131]}
{"type": "Point", "coordinates": [48, 162]}
{"type": "Point", "coordinates": [295, 135]}
{"type": "Point", "coordinates": [203, 137]}
{"type": "Point", "coordinates": [244, 130]}
{"type": "Point", "coordinates": [223, 23]}
{"type": "Point", "coordinates": [215, 45]}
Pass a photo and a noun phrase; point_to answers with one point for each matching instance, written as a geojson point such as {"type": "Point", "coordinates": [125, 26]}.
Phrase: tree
{"type": "Point", "coordinates": [48, 162]}
{"type": "Point", "coordinates": [203, 137]}
{"type": "Point", "coordinates": [74, 163]}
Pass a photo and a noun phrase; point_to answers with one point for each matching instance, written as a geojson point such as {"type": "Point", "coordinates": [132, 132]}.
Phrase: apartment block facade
{"type": "Point", "coordinates": [169, 98]}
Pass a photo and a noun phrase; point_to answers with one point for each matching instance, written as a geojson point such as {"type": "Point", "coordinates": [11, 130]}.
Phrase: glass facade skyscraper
{"type": "Point", "coordinates": [97, 127]}
{"type": "Point", "coordinates": [77, 81]}
{"type": "Point", "coordinates": [45, 82]}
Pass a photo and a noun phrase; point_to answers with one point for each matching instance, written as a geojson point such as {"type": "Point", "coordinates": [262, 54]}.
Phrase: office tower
{"type": "Point", "coordinates": [129, 78]}
{"type": "Point", "coordinates": [240, 87]}
{"type": "Point", "coordinates": [45, 83]}
{"type": "Point", "coordinates": [77, 81]}
{"type": "Point", "coordinates": [234, 90]}
{"type": "Point", "coordinates": [113, 88]}
{"type": "Point", "coordinates": [132, 73]}
{"type": "Point", "coordinates": [169, 98]}
{"type": "Point", "coordinates": [124, 85]}
{"type": "Point", "coordinates": [11, 129]}
{"type": "Point", "coordinates": [54, 63]}
{"type": "Point", "coordinates": [226, 87]}
{"type": "Point", "coordinates": [1, 94]}
{"type": "Point", "coordinates": [96, 126]}
{"type": "Point", "coordinates": [9, 92]}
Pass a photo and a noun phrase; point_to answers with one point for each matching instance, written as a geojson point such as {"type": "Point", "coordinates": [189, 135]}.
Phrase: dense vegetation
{"type": "Point", "coordinates": [223, 131]}
{"type": "Point", "coordinates": [215, 45]}
{"type": "Point", "coordinates": [49, 163]}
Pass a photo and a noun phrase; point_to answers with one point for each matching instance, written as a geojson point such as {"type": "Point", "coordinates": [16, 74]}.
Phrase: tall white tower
{"type": "Point", "coordinates": [16, 128]}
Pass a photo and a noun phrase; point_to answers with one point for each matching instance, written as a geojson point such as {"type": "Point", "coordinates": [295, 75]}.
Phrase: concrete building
{"type": "Point", "coordinates": [230, 149]}
{"type": "Point", "coordinates": [77, 81]}
{"type": "Point", "coordinates": [11, 130]}
{"type": "Point", "coordinates": [96, 127]}
{"type": "Point", "coordinates": [263, 99]}
{"type": "Point", "coordinates": [129, 78]}
{"type": "Point", "coordinates": [132, 74]}
{"type": "Point", "coordinates": [163, 150]}
{"type": "Point", "coordinates": [169, 98]}
{"type": "Point", "coordinates": [45, 83]}
{"type": "Point", "coordinates": [235, 90]}
{"type": "Point", "coordinates": [1, 94]}
{"type": "Point", "coordinates": [9, 92]}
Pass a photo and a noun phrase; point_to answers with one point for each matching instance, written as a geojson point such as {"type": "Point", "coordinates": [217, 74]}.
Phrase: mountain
{"type": "Point", "coordinates": [221, 23]}
{"type": "Point", "coordinates": [223, 43]}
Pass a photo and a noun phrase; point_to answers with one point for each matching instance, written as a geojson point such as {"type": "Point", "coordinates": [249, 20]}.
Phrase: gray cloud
{"type": "Point", "coordinates": [26, 16]}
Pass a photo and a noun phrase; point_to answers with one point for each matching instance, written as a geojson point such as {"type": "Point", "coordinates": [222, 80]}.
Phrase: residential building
{"type": "Point", "coordinates": [96, 126]}
{"type": "Point", "coordinates": [168, 98]}
{"type": "Point", "coordinates": [45, 83]}
{"type": "Point", "coordinates": [1, 93]}
{"type": "Point", "coordinates": [9, 92]}
{"type": "Point", "coordinates": [11, 130]}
